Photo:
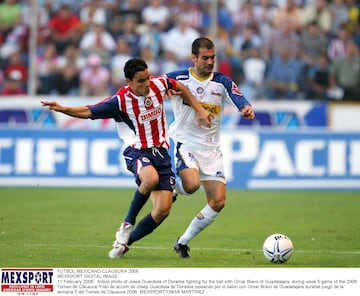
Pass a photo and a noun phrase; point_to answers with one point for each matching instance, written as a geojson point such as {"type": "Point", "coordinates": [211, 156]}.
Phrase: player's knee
{"type": "Point", "coordinates": [190, 180]}
{"type": "Point", "coordinates": [191, 187]}
{"type": "Point", "coordinates": [217, 205]}
{"type": "Point", "coordinates": [149, 183]}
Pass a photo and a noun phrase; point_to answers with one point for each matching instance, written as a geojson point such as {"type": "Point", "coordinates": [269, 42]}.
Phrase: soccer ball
{"type": "Point", "coordinates": [278, 248]}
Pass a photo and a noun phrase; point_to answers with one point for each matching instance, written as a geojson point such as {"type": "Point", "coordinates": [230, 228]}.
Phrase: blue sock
{"type": "Point", "coordinates": [136, 205]}
{"type": "Point", "coordinates": [144, 227]}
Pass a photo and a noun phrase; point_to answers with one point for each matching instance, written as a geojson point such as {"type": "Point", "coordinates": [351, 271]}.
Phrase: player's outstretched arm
{"type": "Point", "coordinates": [80, 112]}
{"type": "Point", "coordinates": [203, 115]}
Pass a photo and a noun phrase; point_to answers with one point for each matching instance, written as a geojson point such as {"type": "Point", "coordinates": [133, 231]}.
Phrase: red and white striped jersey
{"type": "Point", "coordinates": [141, 120]}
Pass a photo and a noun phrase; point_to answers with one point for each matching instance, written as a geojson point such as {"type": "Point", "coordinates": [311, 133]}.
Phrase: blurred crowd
{"type": "Point", "coordinates": [273, 49]}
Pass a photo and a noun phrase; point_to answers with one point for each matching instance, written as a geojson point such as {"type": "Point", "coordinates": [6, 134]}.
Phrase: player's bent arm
{"type": "Point", "coordinates": [191, 100]}
{"type": "Point", "coordinates": [79, 112]}
{"type": "Point", "coordinates": [187, 96]}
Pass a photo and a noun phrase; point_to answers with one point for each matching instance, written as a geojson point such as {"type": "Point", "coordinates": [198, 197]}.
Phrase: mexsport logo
{"type": "Point", "coordinates": [26, 280]}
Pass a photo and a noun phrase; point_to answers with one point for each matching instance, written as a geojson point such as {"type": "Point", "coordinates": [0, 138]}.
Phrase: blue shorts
{"type": "Point", "coordinates": [158, 157]}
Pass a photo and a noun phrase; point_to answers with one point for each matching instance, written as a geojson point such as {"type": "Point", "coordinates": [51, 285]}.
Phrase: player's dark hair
{"type": "Point", "coordinates": [133, 66]}
{"type": "Point", "coordinates": [201, 42]}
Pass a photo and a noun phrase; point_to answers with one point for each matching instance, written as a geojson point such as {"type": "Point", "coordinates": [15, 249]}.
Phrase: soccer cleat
{"type": "Point", "coordinates": [123, 233]}
{"type": "Point", "coordinates": [118, 250]}
{"type": "Point", "coordinates": [182, 250]}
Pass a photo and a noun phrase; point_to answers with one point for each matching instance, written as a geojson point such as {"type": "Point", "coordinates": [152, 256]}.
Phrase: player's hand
{"type": "Point", "coordinates": [172, 92]}
{"type": "Point", "coordinates": [247, 112]}
{"type": "Point", "coordinates": [53, 105]}
{"type": "Point", "coordinates": [204, 117]}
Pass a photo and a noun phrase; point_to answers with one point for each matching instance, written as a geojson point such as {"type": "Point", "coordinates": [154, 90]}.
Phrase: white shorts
{"type": "Point", "coordinates": [209, 163]}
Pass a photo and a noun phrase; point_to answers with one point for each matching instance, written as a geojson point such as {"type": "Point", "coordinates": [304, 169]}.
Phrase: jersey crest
{"type": "Point", "coordinates": [148, 102]}
{"type": "Point", "coordinates": [200, 90]}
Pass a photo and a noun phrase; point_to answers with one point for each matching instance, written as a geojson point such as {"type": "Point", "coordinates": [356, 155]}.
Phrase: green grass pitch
{"type": "Point", "coordinates": [72, 227]}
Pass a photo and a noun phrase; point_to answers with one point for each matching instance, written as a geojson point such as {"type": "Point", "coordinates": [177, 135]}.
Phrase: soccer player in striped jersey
{"type": "Point", "coordinates": [198, 156]}
{"type": "Point", "coordinates": [138, 110]}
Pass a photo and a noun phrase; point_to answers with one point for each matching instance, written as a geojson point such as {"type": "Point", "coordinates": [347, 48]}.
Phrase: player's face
{"type": "Point", "coordinates": [204, 62]}
{"type": "Point", "coordinates": [140, 84]}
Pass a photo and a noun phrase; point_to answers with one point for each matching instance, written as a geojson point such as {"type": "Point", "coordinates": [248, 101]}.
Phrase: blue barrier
{"type": "Point", "coordinates": [253, 159]}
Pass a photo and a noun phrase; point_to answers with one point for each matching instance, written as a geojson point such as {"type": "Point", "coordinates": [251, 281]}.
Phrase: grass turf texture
{"type": "Point", "coordinates": [51, 227]}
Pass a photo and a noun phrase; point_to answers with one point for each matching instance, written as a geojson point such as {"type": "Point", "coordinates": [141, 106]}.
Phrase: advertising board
{"type": "Point", "coordinates": [253, 159]}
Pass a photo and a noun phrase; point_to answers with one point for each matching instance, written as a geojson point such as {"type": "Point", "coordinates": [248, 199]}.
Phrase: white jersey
{"type": "Point", "coordinates": [213, 93]}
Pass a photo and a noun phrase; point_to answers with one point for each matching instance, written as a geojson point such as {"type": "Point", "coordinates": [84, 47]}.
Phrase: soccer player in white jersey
{"type": "Point", "coordinates": [198, 155]}
{"type": "Point", "coordinates": [139, 112]}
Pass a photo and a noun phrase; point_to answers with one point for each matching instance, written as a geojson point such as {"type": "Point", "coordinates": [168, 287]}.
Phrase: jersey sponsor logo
{"type": "Point", "coordinates": [214, 109]}
{"type": "Point", "coordinates": [214, 92]}
{"type": "Point", "coordinates": [151, 115]}
{"type": "Point", "coordinates": [235, 90]}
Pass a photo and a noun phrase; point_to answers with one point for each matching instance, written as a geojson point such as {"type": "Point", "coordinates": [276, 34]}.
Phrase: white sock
{"type": "Point", "coordinates": [179, 186]}
{"type": "Point", "coordinates": [206, 216]}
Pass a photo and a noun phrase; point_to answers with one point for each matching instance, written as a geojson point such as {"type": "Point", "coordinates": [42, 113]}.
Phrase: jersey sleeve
{"type": "Point", "coordinates": [171, 83]}
{"type": "Point", "coordinates": [109, 108]}
{"type": "Point", "coordinates": [232, 91]}
{"type": "Point", "coordinates": [168, 82]}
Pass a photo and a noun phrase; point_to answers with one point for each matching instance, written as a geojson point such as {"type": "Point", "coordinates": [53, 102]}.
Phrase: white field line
{"type": "Point", "coordinates": [246, 251]}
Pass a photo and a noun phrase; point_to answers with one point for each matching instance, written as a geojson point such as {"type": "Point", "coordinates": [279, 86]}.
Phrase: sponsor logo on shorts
{"type": "Point", "coordinates": [145, 159]}
{"type": "Point", "coordinates": [191, 156]}
{"type": "Point", "coordinates": [172, 180]}
{"type": "Point", "coordinates": [220, 174]}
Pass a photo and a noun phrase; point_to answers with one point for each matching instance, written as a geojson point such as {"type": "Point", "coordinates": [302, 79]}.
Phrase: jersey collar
{"type": "Point", "coordinates": [191, 70]}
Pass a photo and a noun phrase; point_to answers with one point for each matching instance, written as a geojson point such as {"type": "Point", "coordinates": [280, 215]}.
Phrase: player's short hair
{"type": "Point", "coordinates": [133, 66]}
{"type": "Point", "coordinates": [201, 42]}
